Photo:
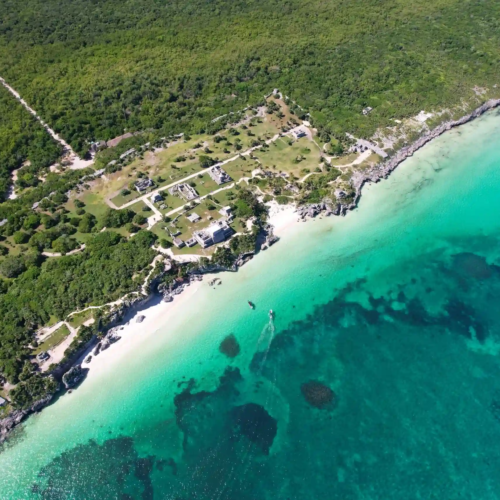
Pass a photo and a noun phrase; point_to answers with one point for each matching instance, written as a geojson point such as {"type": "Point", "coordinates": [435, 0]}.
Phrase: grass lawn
{"type": "Point", "coordinates": [162, 163]}
{"type": "Point", "coordinates": [13, 248]}
{"type": "Point", "coordinates": [241, 167]}
{"type": "Point", "coordinates": [78, 319]}
{"type": "Point", "coordinates": [196, 250]}
{"type": "Point", "coordinates": [138, 208]}
{"type": "Point", "coordinates": [205, 185]}
{"type": "Point", "coordinates": [173, 202]}
{"type": "Point", "coordinates": [344, 160]}
{"type": "Point", "coordinates": [281, 157]}
{"type": "Point", "coordinates": [373, 159]}
{"type": "Point", "coordinates": [224, 198]}
{"type": "Point", "coordinates": [121, 199]}
{"type": "Point", "coordinates": [54, 339]}
{"type": "Point", "coordinates": [94, 203]}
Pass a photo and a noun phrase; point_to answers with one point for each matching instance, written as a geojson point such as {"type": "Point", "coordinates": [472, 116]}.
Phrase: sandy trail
{"type": "Point", "coordinates": [76, 162]}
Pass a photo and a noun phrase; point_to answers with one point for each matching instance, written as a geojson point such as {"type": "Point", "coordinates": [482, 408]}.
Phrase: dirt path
{"type": "Point", "coordinates": [58, 254]}
{"type": "Point", "coordinates": [77, 162]}
{"type": "Point", "coordinates": [57, 353]}
{"type": "Point", "coordinates": [145, 198]}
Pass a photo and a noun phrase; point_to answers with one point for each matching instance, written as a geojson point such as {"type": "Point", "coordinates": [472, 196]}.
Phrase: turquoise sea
{"type": "Point", "coordinates": [379, 377]}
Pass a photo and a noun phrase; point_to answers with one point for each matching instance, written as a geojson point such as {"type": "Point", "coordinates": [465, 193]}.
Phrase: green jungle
{"type": "Point", "coordinates": [94, 69]}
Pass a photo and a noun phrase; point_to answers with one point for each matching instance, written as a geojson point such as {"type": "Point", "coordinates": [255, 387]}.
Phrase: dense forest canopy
{"type": "Point", "coordinates": [56, 287]}
{"type": "Point", "coordinates": [96, 68]}
{"type": "Point", "coordinates": [22, 139]}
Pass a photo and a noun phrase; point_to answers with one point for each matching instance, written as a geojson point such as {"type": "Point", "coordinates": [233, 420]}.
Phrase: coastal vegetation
{"type": "Point", "coordinates": [109, 267]}
{"type": "Point", "coordinates": [78, 238]}
{"type": "Point", "coordinates": [23, 143]}
{"type": "Point", "coordinates": [94, 70]}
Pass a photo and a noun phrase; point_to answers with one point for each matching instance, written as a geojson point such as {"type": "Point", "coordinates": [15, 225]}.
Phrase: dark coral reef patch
{"type": "Point", "coordinates": [255, 423]}
{"type": "Point", "coordinates": [229, 346]}
{"type": "Point", "coordinates": [318, 395]}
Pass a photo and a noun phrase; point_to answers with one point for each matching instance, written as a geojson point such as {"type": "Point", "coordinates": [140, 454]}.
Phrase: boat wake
{"type": "Point", "coordinates": [265, 339]}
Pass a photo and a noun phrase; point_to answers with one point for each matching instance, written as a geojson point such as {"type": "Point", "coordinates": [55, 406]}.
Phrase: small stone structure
{"type": "Point", "coordinates": [219, 175]}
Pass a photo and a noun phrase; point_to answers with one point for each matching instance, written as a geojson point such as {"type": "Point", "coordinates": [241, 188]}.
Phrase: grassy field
{"type": "Point", "coordinates": [295, 159]}
{"type": "Point", "coordinates": [53, 340]}
{"type": "Point", "coordinates": [241, 167]}
{"type": "Point", "coordinates": [139, 208]}
{"type": "Point", "coordinates": [121, 199]}
{"type": "Point", "coordinates": [77, 320]}
{"type": "Point", "coordinates": [162, 167]}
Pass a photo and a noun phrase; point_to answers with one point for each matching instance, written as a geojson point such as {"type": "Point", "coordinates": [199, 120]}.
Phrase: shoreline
{"type": "Point", "coordinates": [385, 168]}
{"type": "Point", "coordinates": [281, 217]}
{"type": "Point", "coordinates": [132, 333]}
{"type": "Point", "coordinates": [156, 312]}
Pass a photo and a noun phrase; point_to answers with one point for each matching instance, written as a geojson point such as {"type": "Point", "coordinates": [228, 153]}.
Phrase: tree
{"type": "Point", "coordinates": [223, 257]}
{"type": "Point", "coordinates": [31, 222]}
{"type": "Point", "coordinates": [86, 224]}
{"type": "Point", "coordinates": [75, 221]}
{"type": "Point", "coordinates": [12, 267]}
{"type": "Point", "coordinates": [103, 240]}
{"type": "Point", "coordinates": [20, 237]}
{"type": "Point", "coordinates": [27, 371]}
{"type": "Point", "coordinates": [59, 198]}
{"type": "Point", "coordinates": [64, 244]}
{"type": "Point", "coordinates": [164, 243]}
{"type": "Point", "coordinates": [206, 161]}
{"type": "Point", "coordinates": [132, 228]}
{"type": "Point", "coordinates": [48, 221]}
{"type": "Point", "coordinates": [33, 258]}
{"type": "Point", "coordinates": [32, 389]}
{"type": "Point", "coordinates": [139, 219]}
{"type": "Point", "coordinates": [117, 218]}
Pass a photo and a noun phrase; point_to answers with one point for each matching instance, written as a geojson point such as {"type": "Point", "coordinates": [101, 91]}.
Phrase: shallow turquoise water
{"type": "Point", "coordinates": [378, 379]}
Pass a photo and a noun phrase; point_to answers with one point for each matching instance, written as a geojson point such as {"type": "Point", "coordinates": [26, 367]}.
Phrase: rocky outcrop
{"type": "Point", "coordinates": [110, 338]}
{"type": "Point", "coordinates": [314, 209]}
{"type": "Point", "coordinates": [383, 169]}
{"type": "Point", "coordinates": [132, 301]}
{"type": "Point", "coordinates": [97, 349]}
{"type": "Point", "coordinates": [17, 416]}
{"type": "Point", "coordinates": [74, 376]}
{"type": "Point", "coordinates": [243, 259]}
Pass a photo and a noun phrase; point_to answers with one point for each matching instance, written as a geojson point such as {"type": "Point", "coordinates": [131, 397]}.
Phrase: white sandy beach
{"type": "Point", "coordinates": [133, 334]}
{"type": "Point", "coordinates": [281, 217]}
